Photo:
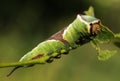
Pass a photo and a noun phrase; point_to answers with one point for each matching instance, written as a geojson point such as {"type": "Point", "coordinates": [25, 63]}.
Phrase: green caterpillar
{"type": "Point", "coordinates": [82, 30]}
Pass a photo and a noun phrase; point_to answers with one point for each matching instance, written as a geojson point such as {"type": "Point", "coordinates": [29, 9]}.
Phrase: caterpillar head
{"type": "Point", "coordinates": [94, 28]}
{"type": "Point", "coordinates": [93, 24]}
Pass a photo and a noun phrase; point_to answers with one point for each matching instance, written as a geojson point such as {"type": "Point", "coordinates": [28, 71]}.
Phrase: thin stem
{"type": "Point", "coordinates": [37, 61]}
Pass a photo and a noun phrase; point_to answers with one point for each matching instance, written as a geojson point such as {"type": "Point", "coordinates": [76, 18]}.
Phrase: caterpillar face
{"type": "Point", "coordinates": [93, 24]}
{"type": "Point", "coordinates": [94, 28]}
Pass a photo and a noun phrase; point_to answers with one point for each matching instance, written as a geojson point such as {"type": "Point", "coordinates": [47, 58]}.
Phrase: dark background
{"type": "Point", "coordinates": [25, 23]}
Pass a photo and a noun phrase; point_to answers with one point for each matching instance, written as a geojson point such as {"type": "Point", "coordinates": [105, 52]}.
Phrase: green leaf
{"type": "Point", "coordinates": [105, 35]}
{"type": "Point", "coordinates": [102, 54]}
{"type": "Point", "coordinates": [105, 54]}
{"type": "Point", "coordinates": [94, 43]}
{"type": "Point", "coordinates": [90, 11]}
{"type": "Point", "coordinates": [117, 36]}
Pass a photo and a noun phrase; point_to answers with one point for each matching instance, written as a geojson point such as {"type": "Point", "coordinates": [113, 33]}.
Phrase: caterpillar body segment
{"type": "Point", "coordinates": [82, 30]}
{"type": "Point", "coordinates": [46, 48]}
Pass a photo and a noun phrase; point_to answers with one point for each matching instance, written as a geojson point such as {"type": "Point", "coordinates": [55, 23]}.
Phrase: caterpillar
{"type": "Point", "coordinates": [81, 31]}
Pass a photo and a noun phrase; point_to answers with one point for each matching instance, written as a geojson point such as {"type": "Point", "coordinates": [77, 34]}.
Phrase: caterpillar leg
{"type": "Point", "coordinates": [13, 70]}
{"type": "Point", "coordinates": [58, 56]}
{"type": "Point", "coordinates": [50, 60]}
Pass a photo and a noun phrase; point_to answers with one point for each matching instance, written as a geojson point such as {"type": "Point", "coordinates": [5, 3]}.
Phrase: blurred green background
{"type": "Point", "coordinates": [25, 23]}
